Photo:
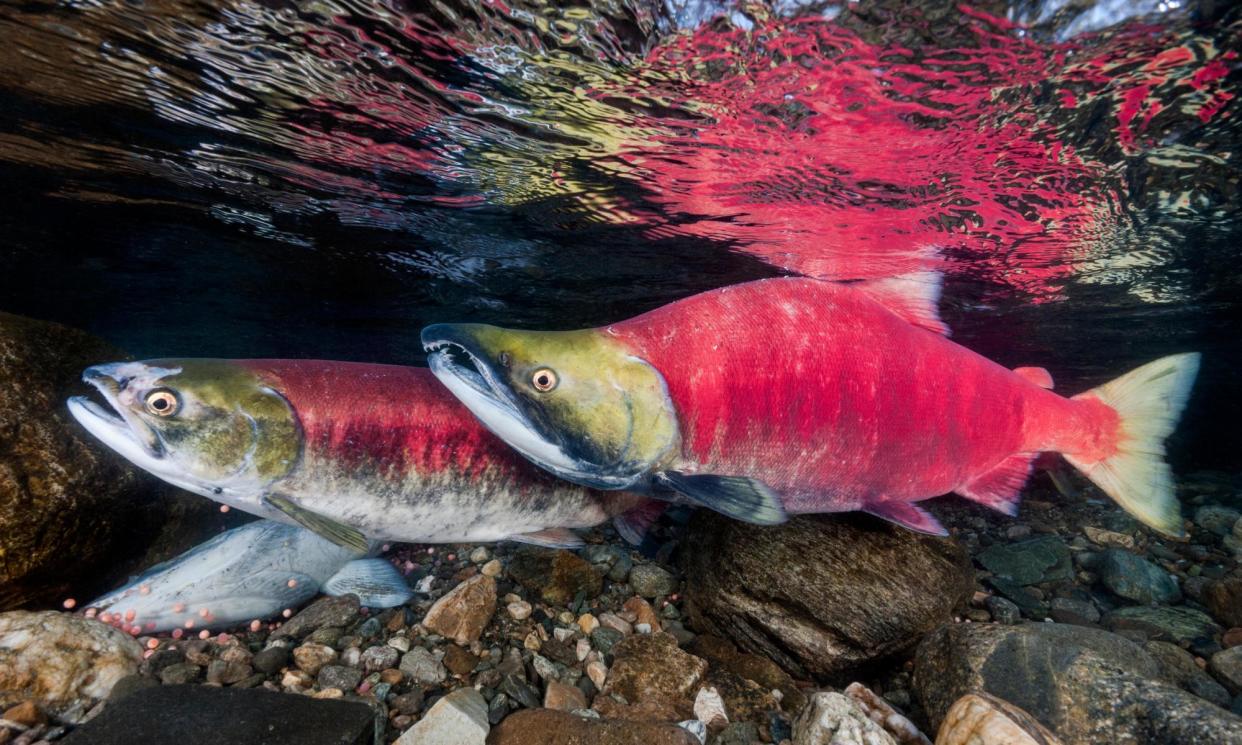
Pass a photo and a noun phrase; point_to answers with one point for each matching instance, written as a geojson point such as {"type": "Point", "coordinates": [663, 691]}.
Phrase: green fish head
{"type": "Point", "coordinates": [577, 403]}
{"type": "Point", "coordinates": [210, 426]}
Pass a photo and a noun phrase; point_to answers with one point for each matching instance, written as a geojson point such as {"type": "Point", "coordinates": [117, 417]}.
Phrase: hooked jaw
{"type": "Point", "coordinates": [118, 429]}
{"type": "Point", "coordinates": [461, 361]}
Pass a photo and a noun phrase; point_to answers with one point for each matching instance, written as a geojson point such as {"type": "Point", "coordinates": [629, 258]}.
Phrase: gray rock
{"type": "Point", "coordinates": [820, 596]}
{"type": "Point", "coordinates": [521, 692]}
{"type": "Point", "coordinates": [738, 733]}
{"type": "Point", "coordinates": [834, 719]}
{"type": "Point", "coordinates": [1137, 579]}
{"type": "Point", "coordinates": [224, 672]}
{"type": "Point", "coordinates": [130, 684]}
{"type": "Point", "coordinates": [340, 676]}
{"type": "Point", "coordinates": [1073, 610]}
{"type": "Point", "coordinates": [379, 658]}
{"type": "Point", "coordinates": [1226, 665]}
{"type": "Point", "coordinates": [1086, 685]}
{"type": "Point", "coordinates": [205, 715]}
{"type": "Point", "coordinates": [604, 639]}
{"type": "Point", "coordinates": [1178, 667]}
{"type": "Point", "coordinates": [422, 667]}
{"type": "Point", "coordinates": [271, 659]}
{"type": "Point", "coordinates": [409, 703]}
{"type": "Point", "coordinates": [1043, 559]}
{"type": "Point", "coordinates": [1179, 624]}
{"type": "Point", "coordinates": [180, 674]}
{"type": "Point", "coordinates": [1217, 519]}
{"type": "Point", "coordinates": [460, 718]}
{"type": "Point", "coordinates": [1003, 610]}
{"type": "Point", "coordinates": [324, 612]}
{"type": "Point", "coordinates": [651, 581]}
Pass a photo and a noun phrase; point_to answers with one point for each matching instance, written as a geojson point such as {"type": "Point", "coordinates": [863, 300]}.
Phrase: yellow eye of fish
{"type": "Point", "coordinates": [544, 379]}
{"type": "Point", "coordinates": [161, 403]}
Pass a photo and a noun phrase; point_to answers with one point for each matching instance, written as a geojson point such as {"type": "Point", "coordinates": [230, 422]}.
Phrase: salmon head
{"type": "Point", "coordinates": [212, 427]}
{"type": "Point", "coordinates": [576, 403]}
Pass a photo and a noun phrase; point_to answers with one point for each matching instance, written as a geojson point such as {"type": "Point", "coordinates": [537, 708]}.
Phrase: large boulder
{"type": "Point", "coordinates": [1086, 685]}
{"type": "Point", "coordinates": [65, 663]}
{"type": "Point", "coordinates": [75, 518]}
{"type": "Point", "coordinates": [821, 596]}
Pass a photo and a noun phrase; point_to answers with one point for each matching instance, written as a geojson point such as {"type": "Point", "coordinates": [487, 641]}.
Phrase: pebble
{"type": "Point", "coordinates": [520, 691]}
{"type": "Point", "coordinates": [400, 643]}
{"type": "Point", "coordinates": [1226, 665]}
{"type": "Point", "coordinates": [180, 674]}
{"type": "Point", "coordinates": [1002, 610]}
{"type": "Point", "coordinates": [271, 659]}
{"type": "Point", "coordinates": [651, 581]}
{"type": "Point", "coordinates": [340, 677]}
{"type": "Point", "coordinates": [378, 658]}
{"type": "Point", "coordinates": [224, 672]}
{"type": "Point", "coordinates": [311, 657]}
{"type": "Point", "coordinates": [1109, 538]}
{"type": "Point", "coordinates": [460, 718]}
{"type": "Point", "coordinates": [612, 621]}
{"type": "Point", "coordinates": [27, 714]}
{"type": "Point", "coordinates": [408, 703]}
{"type": "Point", "coordinates": [564, 697]}
{"type": "Point", "coordinates": [480, 555]}
{"type": "Point", "coordinates": [1137, 579]}
{"type": "Point", "coordinates": [1217, 519]}
{"type": "Point", "coordinates": [1073, 610]}
{"type": "Point", "coordinates": [520, 610]}
{"type": "Point", "coordinates": [492, 568]}
{"type": "Point", "coordinates": [422, 667]}
{"type": "Point", "coordinates": [597, 672]}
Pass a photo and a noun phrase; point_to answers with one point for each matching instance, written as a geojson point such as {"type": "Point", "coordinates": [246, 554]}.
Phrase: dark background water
{"type": "Point", "coordinates": [133, 206]}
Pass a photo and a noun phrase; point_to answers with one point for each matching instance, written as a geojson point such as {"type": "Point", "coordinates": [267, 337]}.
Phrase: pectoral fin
{"type": "Point", "coordinates": [634, 524]}
{"type": "Point", "coordinates": [375, 581]}
{"type": "Point", "coordinates": [739, 497]}
{"type": "Point", "coordinates": [550, 538]}
{"type": "Point", "coordinates": [321, 525]}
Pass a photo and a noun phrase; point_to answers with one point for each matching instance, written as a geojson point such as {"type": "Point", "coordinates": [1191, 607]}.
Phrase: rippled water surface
{"type": "Point", "coordinates": [321, 179]}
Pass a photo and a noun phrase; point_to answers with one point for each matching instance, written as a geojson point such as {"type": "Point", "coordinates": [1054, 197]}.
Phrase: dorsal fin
{"type": "Point", "coordinates": [914, 297]}
{"type": "Point", "coordinates": [1037, 375]}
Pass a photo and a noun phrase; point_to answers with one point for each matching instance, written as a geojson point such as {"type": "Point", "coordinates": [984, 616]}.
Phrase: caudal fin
{"type": "Point", "coordinates": [1149, 401]}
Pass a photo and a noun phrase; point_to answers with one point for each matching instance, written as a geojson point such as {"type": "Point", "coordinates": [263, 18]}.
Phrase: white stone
{"type": "Point", "coordinates": [460, 718]}
{"type": "Point", "coordinates": [833, 719]}
{"type": "Point", "coordinates": [562, 634]}
{"type": "Point", "coordinates": [520, 610]}
{"type": "Point", "coordinates": [66, 663]}
{"type": "Point", "coordinates": [709, 707]}
{"type": "Point", "coordinates": [582, 649]}
{"type": "Point", "coordinates": [696, 728]}
{"type": "Point", "coordinates": [597, 672]}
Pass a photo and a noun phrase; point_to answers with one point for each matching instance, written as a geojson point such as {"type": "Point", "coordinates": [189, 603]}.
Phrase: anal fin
{"type": "Point", "coordinates": [907, 515]}
{"type": "Point", "coordinates": [321, 525]}
{"type": "Point", "coordinates": [634, 524]}
{"type": "Point", "coordinates": [741, 498]}
{"type": "Point", "coordinates": [550, 538]}
{"type": "Point", "coordinates": [375, 581]}
{"type": "Point", "coordinates": [1001, 487]}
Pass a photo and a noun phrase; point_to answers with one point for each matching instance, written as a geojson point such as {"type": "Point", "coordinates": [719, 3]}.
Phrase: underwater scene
{"type": "Point", "coordinates": [674, 372]}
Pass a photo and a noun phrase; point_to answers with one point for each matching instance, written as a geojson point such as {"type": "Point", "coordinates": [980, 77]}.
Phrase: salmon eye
{"type": "Point", "coordinates": [544, 379]}
{"type": "Point", "coordinates": [161, 402]}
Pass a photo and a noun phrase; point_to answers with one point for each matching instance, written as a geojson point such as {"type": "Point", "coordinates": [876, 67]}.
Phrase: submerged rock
{"type": "Point", "coordinates": [558, 576]}
{"type": "Point", "coordinates": [460, 718]}
{"type": "Point", "coordinates": [1179, 624]}
{"type": "Point", "coordinates": [1178, 667]}
{"type": "Point", "coordinates": [1086, 685]}
{"type": "Point", "coordinates": [834, 719]}
{"type": "Point", "coordinates": [1044, 559]}
{"type": "Point", "coordinates": [1136, 579]}
{"type": "Point", "coordinates": [820, 596]}
{"type": "Point", "coordinates": [1224, 600]}
{"type": "Point", "coordinates": [980, 719]}
{"type": "Point", "coordinates": [650, 671]}
{"type": "Point", "coordinates": [66, 663]}
{"type": "Point", "coordinates": [549, 727]}
{"type": "Point", "coordinates": [462, 614]}
{"type": "Point", "coordinates": [74, 516]}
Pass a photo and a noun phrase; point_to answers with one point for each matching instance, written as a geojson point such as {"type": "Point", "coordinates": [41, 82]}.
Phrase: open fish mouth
{"type": "Point", "coordinates": [454, 358]}
{"type": "Point", "coordinates": [119, 430]}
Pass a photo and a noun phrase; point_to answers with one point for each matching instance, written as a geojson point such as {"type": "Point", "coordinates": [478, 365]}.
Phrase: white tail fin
{"type": "Point", "coordinates": [1149, 401]}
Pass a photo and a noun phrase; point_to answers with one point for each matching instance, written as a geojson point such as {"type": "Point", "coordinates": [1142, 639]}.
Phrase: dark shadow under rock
{"type": "Point", "coordinates": [821, 596]}
{"type": "Point", "coordinates": [203, 715]}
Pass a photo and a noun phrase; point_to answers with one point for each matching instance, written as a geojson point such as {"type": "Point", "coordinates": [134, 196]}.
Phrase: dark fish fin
{"type": "Point", "coordinates": [375, 581]}
{"type": "Point", "coordinates": [634, 524]}
{"type": "Point", "coordinates": [908, 515]}
{"type": "Point", "coordinates": [1001, 487]}
{"type": "Point", "coordinates": [1037, 375]}
{"type": "Point", "coordinates": [550, 538]}
{"type": "Point", "coordinates": [741, 498]}
{"type": "Point", "coordinates": [913, 296]}
{"type": "Point", "coordinates": [325, 527]}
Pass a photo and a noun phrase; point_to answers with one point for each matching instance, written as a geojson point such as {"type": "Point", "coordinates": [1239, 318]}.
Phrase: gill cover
{"type": "Point", "coordinates": [577, 403]}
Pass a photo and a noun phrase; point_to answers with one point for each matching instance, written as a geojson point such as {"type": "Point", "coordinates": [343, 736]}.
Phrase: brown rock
{"type": "Point", "coordinates": [721, 654]}
{"type": "Point", "coordinates": [1224, 600]}
{"type": "Point", "coordinates": [821, 596]}
{"type": "Point", "coordinates": [463, 613]}
{"type": "Point", "coordinates": [652, 668]}
{"type": "Point", "coordinates": [75, 518]}
{"type": "Point", "coordinates": [27, 714]}
{"type": "Point", "coordinates": [459, 661]}
{"type": "Point", "coordinates": [1232, 637]}
{"type": "Point", "coordinates": [558, 576]}
{"type": "Point", "coordinates": [744, 700]}
{"type": "Point", "coordinates": [65, 663]}
{"type": "Point", "coordinates": [549, 727]}
{"type": "Point", "coordinates": [643, 612]}
{"type": "Point", "coordinates": [980, 719]}
{"type": "Point", "coordinates": [563, 697]}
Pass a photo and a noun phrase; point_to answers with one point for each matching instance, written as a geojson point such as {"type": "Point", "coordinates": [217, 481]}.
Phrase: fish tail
{"type": "Point", "coordinates": [1148, 402]}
